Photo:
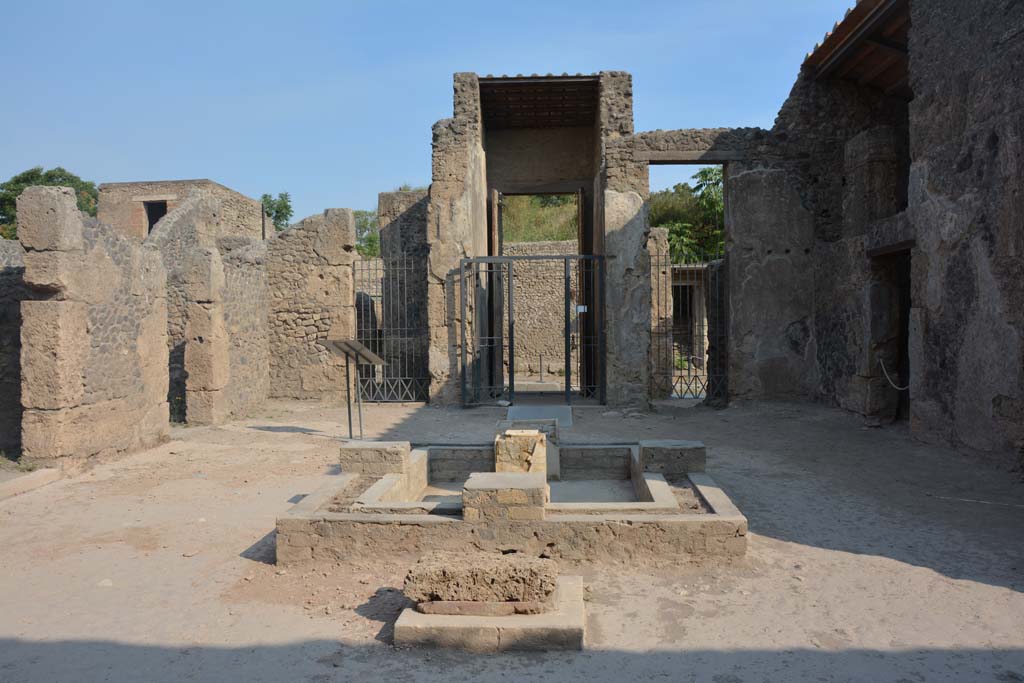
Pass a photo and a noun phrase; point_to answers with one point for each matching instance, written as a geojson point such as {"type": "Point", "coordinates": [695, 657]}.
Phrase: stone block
{"type": "Point", "coordinates": [673, 458]}
{"type": "Point", "coordinates": [490, 496]}
{"type": "Point", "coordinates": [202, 275]}
{"type": "Point", "coordinates": [207, 359]}
{"type": "Point", "coordinates": [375, 457]}
{"type": "Point", "coordinates": [482, 609]}
{"type": "Point", "coordinates": [49, 219]}
{"type": "Point", "coordinates": [521, 450]}
{"type": "Point", "coordinates": [206, 407]}
{"type": "Point", "coordinates": [481, 578]}
{"type": "Point", "coordinates": [563, 628]}
{"type": "Point", "coordinates": [54, 350]}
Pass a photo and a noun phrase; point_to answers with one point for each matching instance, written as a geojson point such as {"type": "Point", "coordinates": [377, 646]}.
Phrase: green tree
{"type": "Point", "coordinates": [694, 216]}
{"type": "Point", "coordinates": [86, 193]}
{"type": "Point", "coordinates": [279, 209]}
{"type": "Point", "coordinates": [367, 234]}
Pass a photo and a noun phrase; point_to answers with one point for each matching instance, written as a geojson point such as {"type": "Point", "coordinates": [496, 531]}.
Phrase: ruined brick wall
{"type": "Point", "coordinates": [218, 305]}
{"type": "Point", "coordinates": [94, 345]}
{"type": "Point", "coordinates": [121, 205]}
{"type": "Point", "coordinates": [310, 281]}
{"type": "Point", "coordinates": [966, 208]}
{"type": "Point", "coordinates": [12, 292]}
{"type": "Point", "coordinates": [538, 298]}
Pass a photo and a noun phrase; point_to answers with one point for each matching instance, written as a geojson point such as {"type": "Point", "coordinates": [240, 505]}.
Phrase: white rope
{"type": "Point", "coordinates": [886, 373]}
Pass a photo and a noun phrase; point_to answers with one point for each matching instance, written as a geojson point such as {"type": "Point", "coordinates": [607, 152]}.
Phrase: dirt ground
{"type": "Point", "coordinates": [872, 558]}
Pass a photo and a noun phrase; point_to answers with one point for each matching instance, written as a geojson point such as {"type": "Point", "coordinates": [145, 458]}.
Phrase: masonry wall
{"type": "Point", "coordinates": [121, 205]}
{"type": "Point", "coordinates": [540, 159]}
{"type": "Point", "coordinates": [457, 228]}
{"type": "Point", "coordinates": [624, 227]}
{"type": "Point", "coordinates": [218, 305]}
{"type": "Point", "coordinates": [246, 318]}
{"type": "Point", "coordinates": [12, 292]}
{"type": "Point", "coordinates": [310, 281]}
{"type": "Point", "coordinates": [966, 208]}
{"type": "Point", "coordinates": [94, 344]}
{"type": "Point", "coordinates": [539, 300]}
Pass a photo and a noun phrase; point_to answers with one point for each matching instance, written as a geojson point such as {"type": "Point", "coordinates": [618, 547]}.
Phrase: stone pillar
{"type": "Point", "coordinates": [662, 354]}
{"type": "Point", "coordinates": [207, 369]}
{"type": "Point", "coordinates": [521, 450]}
{"type": "Point", "coordinates": [457, 228]}
{"type": "Point", "coordinates": [627, 300]}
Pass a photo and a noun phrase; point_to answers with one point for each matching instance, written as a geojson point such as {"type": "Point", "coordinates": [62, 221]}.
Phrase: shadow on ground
{"type": "Point", "coordinates": [325, 660]}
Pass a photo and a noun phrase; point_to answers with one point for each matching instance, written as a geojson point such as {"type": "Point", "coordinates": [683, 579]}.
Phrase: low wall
{"type": "Point", "coordinates": [94, 344]}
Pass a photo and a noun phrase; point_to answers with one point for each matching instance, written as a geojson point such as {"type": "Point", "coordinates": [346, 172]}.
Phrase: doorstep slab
{"type": "Point", "coordinates": [562, 628]}
{"type": "Point", "coordinates": [562, 414]}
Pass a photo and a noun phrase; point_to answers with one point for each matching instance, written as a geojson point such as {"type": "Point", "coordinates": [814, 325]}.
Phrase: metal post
{"type": "Point", "coordinates": [511, 336]}
{"type": "Point", "coordinates": [359, 400]}
{"type": "Point", "coordinates": [599, 297]}
{"type": "Point", "coordinates": [568, 335]}
{"type": "Point", "coordinates": [348, 397]}
{"type": "Point", "coordinates": [462, 327]}
{"type": "Point", "coordinates": [541, 368]}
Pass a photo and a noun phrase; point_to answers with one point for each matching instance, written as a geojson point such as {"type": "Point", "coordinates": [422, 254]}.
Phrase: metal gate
{"type": "Point", "coordinates": [688, 327]}
{"type": "Point", "coordinates": [493, 369]}
{"type": "Point", "coordinates": [391, 320]}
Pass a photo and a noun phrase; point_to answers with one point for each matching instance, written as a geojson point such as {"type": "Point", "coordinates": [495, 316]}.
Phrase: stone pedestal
{"type": "Point", "coordinates": [504, 496]}
{"type": "Point", "coordinates": [521, 450]}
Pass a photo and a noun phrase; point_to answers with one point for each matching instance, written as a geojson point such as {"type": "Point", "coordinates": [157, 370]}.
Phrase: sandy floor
{"type": "Point", "coordinates": [872, 558]}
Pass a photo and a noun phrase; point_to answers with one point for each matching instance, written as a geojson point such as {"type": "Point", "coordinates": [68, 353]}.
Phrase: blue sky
{"type": "Point", "coordinates": [333, 101]}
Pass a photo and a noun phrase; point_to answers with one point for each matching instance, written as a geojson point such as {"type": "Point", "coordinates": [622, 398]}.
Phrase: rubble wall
{"type": "Point", "coordinates": [310, 283]}
{"type": "Point", "coordinates": [539, 300]}
{"type": "Point", "coordinates": [218, 304]}
{"type": "Point", "coordinates": [94, 344]}
{"type": "Point", "coordinates": [966, 207]}
{"type": "Point", "coordinates": [246, 317]}
{"type": "Point", "coordinates": [12, 292]}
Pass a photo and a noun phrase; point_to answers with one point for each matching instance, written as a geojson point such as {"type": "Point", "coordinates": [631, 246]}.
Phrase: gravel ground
{"type": "Point", "coordinates": [872, 558]}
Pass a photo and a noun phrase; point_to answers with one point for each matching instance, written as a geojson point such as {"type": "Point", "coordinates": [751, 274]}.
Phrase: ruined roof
{"type": "Point", "coordinates": [539, 101]}
{"type": "Point", "coordinates": [869, 47]}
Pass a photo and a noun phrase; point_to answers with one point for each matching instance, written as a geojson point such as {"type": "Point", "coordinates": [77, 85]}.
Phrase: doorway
{"type": "Point", "coordinates": [495, 338]}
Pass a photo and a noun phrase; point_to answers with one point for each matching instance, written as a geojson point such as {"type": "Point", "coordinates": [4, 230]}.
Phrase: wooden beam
{"type": "Point", "coordinates": [866, 27]}
{"type": "Point", "coordinates": [888, 47]}
{"type": "Point", "coordinates": [883, 65]}
{"type": "Point", "coordinates": [707, 156]}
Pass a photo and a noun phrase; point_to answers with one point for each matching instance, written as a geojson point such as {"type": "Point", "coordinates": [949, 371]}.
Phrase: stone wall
{"type": "Point", "coordinates": [623, 228]}
{"type": "Point", "coordinates": [218, 305]}
{"type": "Point", "coordinates": [12, 292]}
{"type": "Point", "coordinates": [539, 300]}
{"type": "Point", "coordinates": [121, 205]}
{"type": "Point", "coordinates": [966, 208]}
{"type": "Point", "coordinates": [246, 316]}
{"type": "Point", "coordinates": [310, 281]}
{"type": "Point", "coordinates": [94, 344]}
{"type": "Point", "coordinates": [457, 228]}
